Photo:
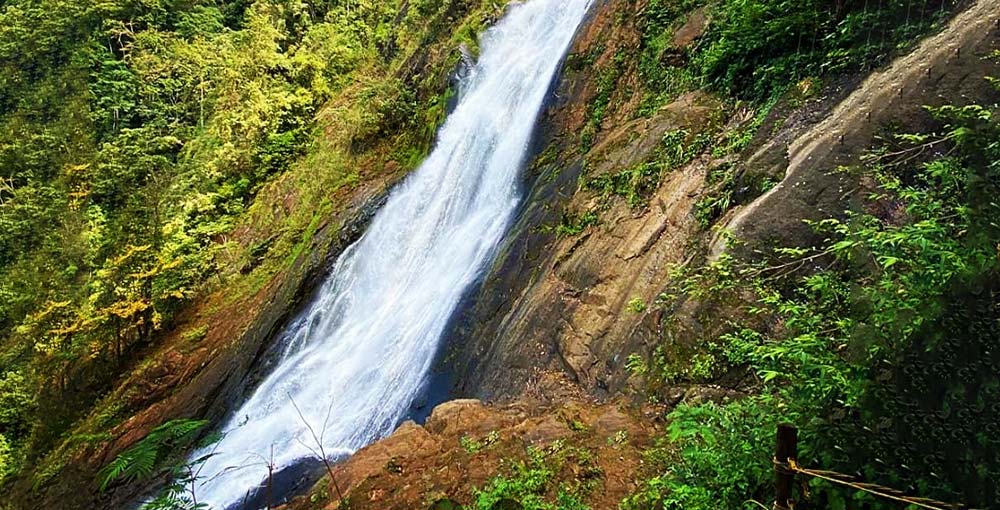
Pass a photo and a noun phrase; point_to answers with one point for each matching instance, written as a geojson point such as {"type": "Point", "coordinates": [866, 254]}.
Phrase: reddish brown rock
{"type": "Point", "coordinates": [692, 30]}
{"type": "Point", "coordinates": [417, 465]}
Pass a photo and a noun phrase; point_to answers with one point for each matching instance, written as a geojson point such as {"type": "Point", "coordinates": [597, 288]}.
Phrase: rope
{"type": "Point", "coordinates": [792, 467]}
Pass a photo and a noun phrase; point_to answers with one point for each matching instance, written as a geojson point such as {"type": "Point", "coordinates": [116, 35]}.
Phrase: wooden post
{"type": "Point", "coordinates": [787, 448]}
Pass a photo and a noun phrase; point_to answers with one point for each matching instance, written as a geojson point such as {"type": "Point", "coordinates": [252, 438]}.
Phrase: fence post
{"type": "Point", "coordinates": [787, 448]}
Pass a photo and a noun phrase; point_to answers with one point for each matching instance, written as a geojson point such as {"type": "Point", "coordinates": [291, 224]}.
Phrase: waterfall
{"type": "Point", "coordinates": [360, 354]}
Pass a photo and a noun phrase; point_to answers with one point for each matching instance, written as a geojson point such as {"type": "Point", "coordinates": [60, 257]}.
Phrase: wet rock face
{"type": "Point", "coordinates": [560, 304]}
{"type": "Point", "coordinates": [569, 303]}
{"type": "Point", "coordinates": [573, 311]}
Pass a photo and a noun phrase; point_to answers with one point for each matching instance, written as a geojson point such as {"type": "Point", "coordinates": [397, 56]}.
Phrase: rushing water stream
{"type": "Point", "coordinates": [360, 354]}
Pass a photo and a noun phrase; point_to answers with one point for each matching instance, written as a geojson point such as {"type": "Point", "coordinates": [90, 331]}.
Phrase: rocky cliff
{"type": "Point", "coordinates": [571, 304]}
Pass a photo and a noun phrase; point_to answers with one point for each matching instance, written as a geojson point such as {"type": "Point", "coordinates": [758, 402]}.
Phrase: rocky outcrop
{"type": "Point", "coordinates": [947, 68]}
{"type": "Point", "coordinates": [465, 443]}
{"type": "Point", "coordinates": [576, 304]}
{"type": "Point", "coordinates": [579, 304]}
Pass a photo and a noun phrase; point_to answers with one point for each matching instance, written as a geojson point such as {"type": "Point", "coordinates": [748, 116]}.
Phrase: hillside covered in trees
{"type": "Point", "coordinates": [737, 213]}
{"type": "Point", "coordinates": [136, 138]}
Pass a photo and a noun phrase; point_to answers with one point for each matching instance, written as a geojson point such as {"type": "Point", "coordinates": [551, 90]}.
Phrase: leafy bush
{"type": "Point", "coordinates": [573, 224]}
{"type": "Point", "coordinates": [884, 354]}
{"type": "Point", "coordinates": [759, 47]}
{"type": "Point", "coordinates": [755, 49]}
{"type": "Point", "coordinates": [532, 483]}
{"type": "Point", "coordinates": [705, 443]}
{"type": "Point", "coordinates": [8, 465]}
{"type": "Point", "coordinates": [636, 305]}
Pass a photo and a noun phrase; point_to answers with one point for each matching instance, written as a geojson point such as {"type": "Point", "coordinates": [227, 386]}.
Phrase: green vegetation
{"type": "Point", "coordinates": [473, 446]}
{"type": "Point", "coordinates": [573, 225]}
{"type": "Point", "coordinates": [636, 305]}
{"type": "Point", "coordinates": [532, 483]}
{"type": "Point", "coordinates": [143, 459]}
{"type": "Point", "coordinates": [157, 151]}
{"type": "Point", "coordinates": [850, 340]}
{"type": "Point", "coordinates": [756, 49]}
{"type": "Point", "coordinates": [664, 77]}
{"type": "Point", "coordinates": [723, 188]}
{"type": "Point", "coordinates": [754, 53]}
{"type": "Point", "coordinates": [607, 85]}
{"type": "Point", "coordinates": [154, 152]}
{"type": "Point", "coordinates": [636, 184]}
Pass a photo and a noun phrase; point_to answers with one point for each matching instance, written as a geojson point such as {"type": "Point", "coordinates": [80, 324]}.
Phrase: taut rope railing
{"type": "Point", "coordinates": [786, 467]}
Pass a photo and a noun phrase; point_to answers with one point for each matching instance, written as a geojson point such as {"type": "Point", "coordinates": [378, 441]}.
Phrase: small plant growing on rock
{"type": "Point", "coordinates": [636, 365]}
{"type": "Point", "coordinates": [540, 483]}
{"type": "Point", "coordinates": [620, 437]}
{"type": "Point", "coordinates": [637, 305]}
{"type": "Point", "coordinates": [470, 445]}
{"type": "Point", "coordinates": [473, 446]}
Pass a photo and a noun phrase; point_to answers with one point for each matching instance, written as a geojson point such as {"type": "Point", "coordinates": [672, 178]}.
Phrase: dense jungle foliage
{"type": "Point", "coordinates": [136, 135]}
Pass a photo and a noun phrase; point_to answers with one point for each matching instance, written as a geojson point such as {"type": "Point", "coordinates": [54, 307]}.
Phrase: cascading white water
{"type": "Point", "coordinates": [361, 353]}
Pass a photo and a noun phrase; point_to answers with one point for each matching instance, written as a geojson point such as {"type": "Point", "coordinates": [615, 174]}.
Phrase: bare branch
{"type": "Point", "coordinates": [322, 457]}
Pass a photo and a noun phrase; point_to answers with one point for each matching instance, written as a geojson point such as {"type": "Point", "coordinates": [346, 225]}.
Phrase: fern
{"type": "Point", "coordinates": [173, 498]}
{"type": "Point", "coordinates": [141, 460]}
